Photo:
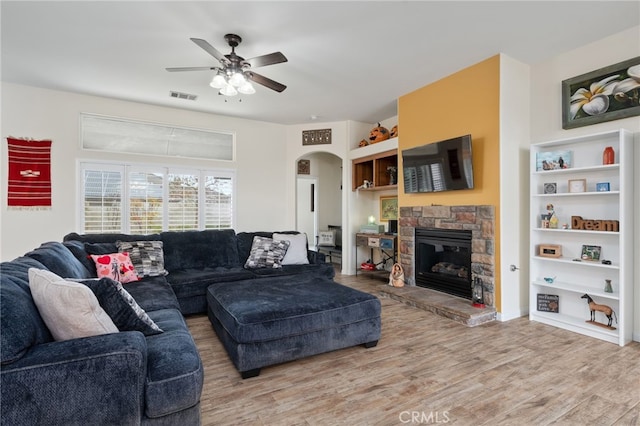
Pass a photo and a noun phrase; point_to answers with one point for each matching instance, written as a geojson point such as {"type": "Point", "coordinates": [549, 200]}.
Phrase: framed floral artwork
{"type": "Point", "coordinates": [606, 94]}
{"type": "Point", "coordinates": [388, 208]}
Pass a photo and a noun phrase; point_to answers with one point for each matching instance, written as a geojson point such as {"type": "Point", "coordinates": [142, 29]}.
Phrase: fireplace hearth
{"type": "Point", "coordinates": [443, 260]}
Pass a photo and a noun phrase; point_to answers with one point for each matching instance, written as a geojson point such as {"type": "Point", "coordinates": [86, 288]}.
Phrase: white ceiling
{"type": "Point", "coordinates": [347, 60]}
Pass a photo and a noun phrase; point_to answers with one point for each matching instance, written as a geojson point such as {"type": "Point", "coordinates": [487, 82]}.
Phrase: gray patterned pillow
{"type": "Point", "coordinates": [147, 257]}
{"type": "Point", "coordinates": [266, 253]}
{"type": "Point", "coordinates": [123, 309]}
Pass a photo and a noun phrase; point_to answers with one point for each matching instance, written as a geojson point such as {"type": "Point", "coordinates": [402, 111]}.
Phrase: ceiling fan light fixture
{"type": "Point", "coordinates": [229, 90]}
{"type": "Point", "coordinates": [237, 79]}
{"type": "Point", "coordinates": [218, 82]}
{"type": "Point", "coordinates": [247, 89]}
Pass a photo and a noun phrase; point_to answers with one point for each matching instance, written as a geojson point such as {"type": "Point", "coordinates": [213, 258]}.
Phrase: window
{"type": "Point", "coordinates": [145, 200]}
{"type": "Point", "coordinates": [129, 136]}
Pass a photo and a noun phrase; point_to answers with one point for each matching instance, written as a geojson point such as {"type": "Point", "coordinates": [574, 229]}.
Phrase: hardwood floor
{"type": "Point", "coordinates": [430, 370]}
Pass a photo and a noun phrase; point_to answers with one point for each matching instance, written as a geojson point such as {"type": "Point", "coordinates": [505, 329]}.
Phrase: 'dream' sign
{"type": "Point", "coordinates": [577, 222]}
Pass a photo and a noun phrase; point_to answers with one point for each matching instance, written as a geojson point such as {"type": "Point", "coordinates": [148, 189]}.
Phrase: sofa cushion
{"type": "Point", "coordinates": [312, 270]}
{"type": "Point", "coordinates": [194, 282]}
{"type": "Point", "coordinates": [69, 309]}
{"type": "Point", "coordinates": [297, 251]}
{"type": "Point", "coordinates": [19, 268]}
{"type": "Point", "coordinates": [147, 257]}
{"type": "Point", "coordinates": [174, 369]}
{"type": "Point", "coordinates": [121, 307]}
{"type": "Point", "coordinates": [199, 249]}
{"type": "Point", "coordinates": [266, 253]}
{"type": "Point", "coordinates": [153, 293]}
{"type": "Point", "coordinates": [78, 250]}
{"type": "Point", "coordinates": [116, 266]}
{"type": "Point", "coordinates": [21, 324]}
{"type": "Point", "coordinates": [109, 238]}
{"type": "Point", "coordinates": [59, 260]}
{"type": "Point", "coordinates": [271, 308]}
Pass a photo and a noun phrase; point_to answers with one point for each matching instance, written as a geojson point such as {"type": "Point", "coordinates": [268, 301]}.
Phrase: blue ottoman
{"type": "Point", "coordinates": [268, 321]}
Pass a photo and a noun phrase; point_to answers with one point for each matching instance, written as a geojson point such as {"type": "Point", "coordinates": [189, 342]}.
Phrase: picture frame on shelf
{"type": "Point", "coordinates": [577, 185]}
{"type": "Point", "coordinates": [603, 187]}
{"type": "Point", "coordinates": [582, 96]}
{"type": "Point", "coordinates": [548, 303]}
{"type": "Point", "coordinates": [553, 160]}
{"type": "Point", "coordinates": [550, 188]}
{"type": "Point", "coordinates": [590, 253]}
{"type": "Point", "coordinates": [550, 250]}
{"type": "Point", "coordinates": [388, 208]}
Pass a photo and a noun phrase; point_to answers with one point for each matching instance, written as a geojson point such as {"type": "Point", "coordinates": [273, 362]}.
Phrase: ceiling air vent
{"type": "Point", "coordinates": [180, 95]}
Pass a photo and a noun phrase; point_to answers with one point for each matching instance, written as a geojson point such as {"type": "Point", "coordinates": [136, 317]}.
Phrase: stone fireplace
{"type": "Point", "coordinates": [441, 265]}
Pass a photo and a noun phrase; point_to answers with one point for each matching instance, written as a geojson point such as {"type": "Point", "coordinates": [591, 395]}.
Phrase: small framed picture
{"type": "Point", "coordinates": [550, 188]}
{"type": "Point", "coordinates": [577, 185]}
{"type": "Point", "coordinates": [388, 208]}
{"type": "Point", "coordinates": [304, 167]}
{"type": "Point", "coordinates": [548, 302]}
{"type": "Point", "coordinates": [590, 253]}
{"type": "Point", "coordinates": [553, 160]}
{"type": "Point", "coordinates": [603, 187]}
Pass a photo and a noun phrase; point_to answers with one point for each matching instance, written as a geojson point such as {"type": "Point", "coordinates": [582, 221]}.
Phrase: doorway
{"type": "Point", "coordinates": [322, 186]}
{"type": "Point", "coordinates": [306, 208]}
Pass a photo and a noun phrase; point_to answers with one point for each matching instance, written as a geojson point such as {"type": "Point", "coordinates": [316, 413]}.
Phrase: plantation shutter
{"type": "Point", "coordinates": [218, 202]}
{"type": "Point", "coordinates": [183, 202]}
{"type": "Point", "coordinates": [136, 199]}
{"type": "Point", "coordinates": [102, 199]}
{"type": "Point", "coordinates": [145, 202]}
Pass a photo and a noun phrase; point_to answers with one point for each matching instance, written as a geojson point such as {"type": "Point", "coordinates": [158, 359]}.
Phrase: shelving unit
{"type": "Point", "coordinates": [574, 276]}
{"type": "Point", "coordinates": [370, 163]}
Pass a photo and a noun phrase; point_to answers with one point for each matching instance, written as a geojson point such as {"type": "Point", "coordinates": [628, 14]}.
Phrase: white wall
{"type": "Point", "coordinates": [514, 192]}
{"type": "Point", "coordinates": [37, 113]}
{"type": "Point", "coordinates": [546, 113]}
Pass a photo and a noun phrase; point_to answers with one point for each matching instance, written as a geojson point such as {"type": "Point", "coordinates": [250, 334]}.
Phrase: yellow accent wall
{"type": "Point", "coordinates": [466, 102]}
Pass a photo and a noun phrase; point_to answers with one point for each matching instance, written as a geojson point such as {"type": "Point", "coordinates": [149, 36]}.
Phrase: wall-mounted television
{"type": "Point", "coordinates": [440, 166]}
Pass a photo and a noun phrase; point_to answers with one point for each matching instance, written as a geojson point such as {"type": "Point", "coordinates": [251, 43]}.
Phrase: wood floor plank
{"type": "Point", "coordinates": [516, 372]}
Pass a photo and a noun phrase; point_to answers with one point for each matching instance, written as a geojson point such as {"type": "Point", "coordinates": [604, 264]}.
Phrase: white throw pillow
{"type": "Point", "coordinates": [297, 251]}
{"type": "Point", "coordinates": [70, 310]}
{"type": "Point", "coordinates": [327, 238]}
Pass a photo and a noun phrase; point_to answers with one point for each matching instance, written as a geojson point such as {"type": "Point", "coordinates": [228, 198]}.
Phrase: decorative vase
{"type": "Point", "coordinates": [553, 222]}
{"type": "Point", "coordinates": [607, 286]}
{"type": "Point", "coordinates": [608, 156]}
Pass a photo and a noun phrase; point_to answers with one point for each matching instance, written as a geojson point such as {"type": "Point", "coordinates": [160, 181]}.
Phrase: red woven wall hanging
{"type": "Point", "coordinates": [29, 174]}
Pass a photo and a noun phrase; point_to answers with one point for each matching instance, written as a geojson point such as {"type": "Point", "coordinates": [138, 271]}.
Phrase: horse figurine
{"type": "Point", "coordinates": [593, 306]}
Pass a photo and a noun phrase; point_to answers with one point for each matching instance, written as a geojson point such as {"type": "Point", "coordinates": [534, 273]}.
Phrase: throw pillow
{"type": "Point", "coordinates": [327, 238]}
{"type": "Point", "coordinates": [147, 257]}
{"type": "Point", "coordinates": [70, 310]}
{"type": "Point", "coordinates": [297, 252]}
{"type": "Point", "coordinates": [125, 312]}
{"type": "Point", "coordinates": [116, 266]}
{"type": "Point", "coordinates": [266, 253]}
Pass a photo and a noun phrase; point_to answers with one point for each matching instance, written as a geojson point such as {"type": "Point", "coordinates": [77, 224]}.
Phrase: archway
{"type": "Point", "coordinates": [324, 199]}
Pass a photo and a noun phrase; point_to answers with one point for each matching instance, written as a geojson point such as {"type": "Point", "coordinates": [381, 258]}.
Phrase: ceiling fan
{"type": "Point", "coordinates": [234, 75]}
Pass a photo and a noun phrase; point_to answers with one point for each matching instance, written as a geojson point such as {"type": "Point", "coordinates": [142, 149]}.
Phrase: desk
{"type": "Point", "coordinates": [385, 244]}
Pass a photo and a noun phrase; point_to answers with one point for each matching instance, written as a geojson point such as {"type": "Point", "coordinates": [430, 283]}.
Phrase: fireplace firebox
{"type": "Point", "coordinates": [443, 260]}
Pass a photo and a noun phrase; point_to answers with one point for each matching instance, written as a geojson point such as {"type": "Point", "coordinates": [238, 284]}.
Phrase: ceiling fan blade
{"type": "Point", "coordinates": [264, 60]}
{"type": "Point", "coordinates": [191, 69]}
{"type": "Point", "coordinates": [210, 50]}
{"type": "Point", "coordinates": [266, 82]}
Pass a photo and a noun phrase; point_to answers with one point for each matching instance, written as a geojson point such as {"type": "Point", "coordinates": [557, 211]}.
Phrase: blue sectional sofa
{"type": "Point", "coordinates": [125, 377]}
